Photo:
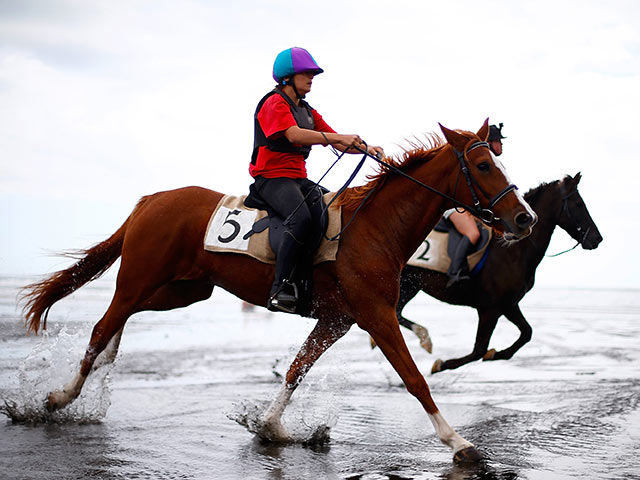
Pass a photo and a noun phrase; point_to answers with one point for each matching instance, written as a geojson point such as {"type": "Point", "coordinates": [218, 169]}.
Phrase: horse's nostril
{"type": "Point", "coordinates": [523, 220]}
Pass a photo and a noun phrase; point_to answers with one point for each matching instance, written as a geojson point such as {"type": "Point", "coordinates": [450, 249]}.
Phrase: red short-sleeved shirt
{"type": "Point", "coordinates": [275, 117]}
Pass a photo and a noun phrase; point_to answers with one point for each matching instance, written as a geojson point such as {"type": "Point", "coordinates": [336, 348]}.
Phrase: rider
{"type": "Point", "coordinates": [465, 223]}
{"type": "Point", "coordinates": [286, 127]}
{"type": "Point", "coordinates": [495, 139]}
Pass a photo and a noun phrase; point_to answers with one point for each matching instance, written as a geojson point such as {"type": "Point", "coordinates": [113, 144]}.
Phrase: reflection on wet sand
{"type": "Point", "coordinates": [567, 406]}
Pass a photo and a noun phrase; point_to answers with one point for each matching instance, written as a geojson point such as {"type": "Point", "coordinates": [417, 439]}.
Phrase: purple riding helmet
{"type": "Point", "coordinates": [294, 60]}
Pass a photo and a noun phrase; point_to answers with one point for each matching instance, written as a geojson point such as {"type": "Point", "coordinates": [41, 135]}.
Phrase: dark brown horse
{"type": "Point", "coordinates": [508, 273]}
{"type": "Point", "coordinates": [164, 265]}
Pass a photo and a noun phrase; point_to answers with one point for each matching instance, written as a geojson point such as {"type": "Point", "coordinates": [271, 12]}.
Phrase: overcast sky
{"type": "Point", "coordinates": [102, 102]}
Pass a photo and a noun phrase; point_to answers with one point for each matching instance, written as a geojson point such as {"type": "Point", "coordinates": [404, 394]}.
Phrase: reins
{"type": "Point", "coordinates": [476, 209]}
{"type": "Point", "coordinates": [486, 215]}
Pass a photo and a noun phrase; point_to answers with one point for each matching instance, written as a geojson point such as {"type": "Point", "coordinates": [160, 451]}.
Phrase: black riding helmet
{"type": "Point", "coordinates": [495, 133]}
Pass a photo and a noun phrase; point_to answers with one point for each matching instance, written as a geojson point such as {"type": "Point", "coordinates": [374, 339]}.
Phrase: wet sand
{"type": "Point", "coordinates": [566, 406]}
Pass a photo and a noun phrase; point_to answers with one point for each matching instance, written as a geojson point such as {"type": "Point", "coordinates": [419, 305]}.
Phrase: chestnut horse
{"type": "Point", "coordinates": [164, 265]}
{"type": "Point", "coordinates": [508, 273]}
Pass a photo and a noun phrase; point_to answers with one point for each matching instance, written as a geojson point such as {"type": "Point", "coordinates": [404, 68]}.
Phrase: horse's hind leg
{"type": "Point", "coordinates": [410, 285]}
{"type": "Point", "coordinates": [109, 354]}
{"type": "Point", "coordinates": [105, 338]}
{"type": "Point", "coordinates": [487, 321]}
{"type": "Point", "coordinates": [103, 332]}
{"type": "Point", "coordinates": [516, 317]}
{"type": "Point", "coordinates": [319, 340]}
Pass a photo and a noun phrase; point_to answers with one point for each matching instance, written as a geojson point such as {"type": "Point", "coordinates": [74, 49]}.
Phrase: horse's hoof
{"type": "Point", "coordinates": [51, 404]}
{"type": "Point", "coordinates": [57, 400]}
{"type": "Point", "coordinates": [437, 366]}
{"type": "Point", "coordinates": [273, 432]}
{"type": "Point", "coordinates": [423, 334]}
{"type": "Point", "coordinates": [467, 455]}
{"type": "Point", "coordinates": [489, 355]}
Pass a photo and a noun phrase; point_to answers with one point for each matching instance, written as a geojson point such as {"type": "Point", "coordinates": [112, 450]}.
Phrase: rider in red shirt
{"type": "Point", "coordinates": [275, 118]}
{"type": "Point", "coordinates": [285, 129]}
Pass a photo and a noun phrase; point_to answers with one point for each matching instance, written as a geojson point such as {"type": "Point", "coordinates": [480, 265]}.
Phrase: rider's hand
{"type": "Point", "coordinates": [375, 151]}
{"type": "Point", "coordinates": [350, 141]}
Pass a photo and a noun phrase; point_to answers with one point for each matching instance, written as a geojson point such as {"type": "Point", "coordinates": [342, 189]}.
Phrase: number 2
{"type": "Point", "coordinates": [427, 246]}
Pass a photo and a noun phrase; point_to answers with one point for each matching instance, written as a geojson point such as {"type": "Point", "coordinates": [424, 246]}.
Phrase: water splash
{"type": "Point", "coordinates": [51, 364]}
{"type": "Point", "coordinates": [249, 415]}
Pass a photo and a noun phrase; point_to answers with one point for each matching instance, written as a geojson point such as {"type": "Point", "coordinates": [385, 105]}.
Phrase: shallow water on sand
{"type": "Point", "coordinates": [566, 406]}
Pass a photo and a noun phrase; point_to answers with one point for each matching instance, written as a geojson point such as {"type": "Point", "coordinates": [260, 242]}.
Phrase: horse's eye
{"type": "Point", "coordinates": [483, 167]}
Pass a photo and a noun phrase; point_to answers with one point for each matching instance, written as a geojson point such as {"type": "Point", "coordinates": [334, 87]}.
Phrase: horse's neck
{"type": "Point", "coordinates": [403, 213]}
{"type": "Point", "coordinates": [547, 206]}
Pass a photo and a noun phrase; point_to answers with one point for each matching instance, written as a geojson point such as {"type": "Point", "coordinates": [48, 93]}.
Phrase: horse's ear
{"type": "Point", "coordinates": [483, 133]}
{"type": "Point", "coordinates": [455, 139]}
{"type": "Point", "coordinates": [573, 181]}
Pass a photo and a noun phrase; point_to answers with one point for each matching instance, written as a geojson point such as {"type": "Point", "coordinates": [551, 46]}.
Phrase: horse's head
{"type": "Point", "coordinates": [574, 217]}
{"type": "Point", "coordinates": [486, 187]}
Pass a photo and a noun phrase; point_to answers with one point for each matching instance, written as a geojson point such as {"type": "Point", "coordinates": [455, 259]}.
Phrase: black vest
{"type": "Point", "coordinates": [304, 118]}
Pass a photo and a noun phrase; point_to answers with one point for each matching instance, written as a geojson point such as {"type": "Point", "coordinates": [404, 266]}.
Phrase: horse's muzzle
{"type": "Point", "coordinates": [524, 220]}
{"type": "Point", "coordinates": [591, 240]}
{"type": "Point", "coordinates": [521, 227]}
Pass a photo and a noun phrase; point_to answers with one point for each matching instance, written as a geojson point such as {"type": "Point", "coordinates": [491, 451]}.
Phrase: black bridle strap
{"type": "Point", "coordinates": [484, 214]}
{"type": "Point", "coordinates": [565, 206]}
{"type": "Point", "coordinates": [501, 194]}
{"type": "Point", "coordinates": [479, 211]}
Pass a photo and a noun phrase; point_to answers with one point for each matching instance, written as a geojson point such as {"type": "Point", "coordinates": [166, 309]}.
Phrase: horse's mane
{"type": "Point", "coordinates": [533, 194]}
{"type": "Point", "coordinates": [417, 151]}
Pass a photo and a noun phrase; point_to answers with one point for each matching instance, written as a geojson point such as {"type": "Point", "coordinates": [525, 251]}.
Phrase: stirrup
{"type": "Point", "coordinates": [283, 301]}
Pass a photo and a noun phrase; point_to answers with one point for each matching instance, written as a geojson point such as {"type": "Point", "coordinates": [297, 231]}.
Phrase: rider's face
{"type": "Point", "coordinates": [496, 147]}
{"type": "Point", "coordinates": [303, 81]}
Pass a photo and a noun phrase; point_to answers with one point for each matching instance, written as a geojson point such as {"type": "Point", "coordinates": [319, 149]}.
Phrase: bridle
{"type": "Point", "coordinates": [484, 214]}
{"type": "Point", "coordinates": [565, 208]}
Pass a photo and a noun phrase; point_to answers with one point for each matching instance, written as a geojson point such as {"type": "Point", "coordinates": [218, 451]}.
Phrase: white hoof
{"type": "Point", "coordinates": [437, 366]}
{"type": "Point", "coordinates": [57, 400]}
{"type": "Point", "coordinates": [423, 334]}
{"type": "Point", "coordinates": [273, 431]}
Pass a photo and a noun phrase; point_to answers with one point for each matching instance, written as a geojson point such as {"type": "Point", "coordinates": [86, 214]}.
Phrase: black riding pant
{"type": "Point", "coordinates": [303, 218]}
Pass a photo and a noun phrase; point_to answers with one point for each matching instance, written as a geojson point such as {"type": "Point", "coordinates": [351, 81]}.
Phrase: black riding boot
{"type": "Point", "coordinates": [459, 268]}
{"type": "Point", "coordinates": [284, 293]}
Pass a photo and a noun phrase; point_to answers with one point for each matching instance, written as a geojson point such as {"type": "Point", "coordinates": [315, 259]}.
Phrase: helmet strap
{"type": "Point", "coordinates": [293, 85]}
{"type": "Point", "coordinates": [289, 81]}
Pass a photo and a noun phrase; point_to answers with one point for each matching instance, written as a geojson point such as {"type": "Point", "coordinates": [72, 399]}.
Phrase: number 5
{"type": "Point", "coordinates": [234, 224]}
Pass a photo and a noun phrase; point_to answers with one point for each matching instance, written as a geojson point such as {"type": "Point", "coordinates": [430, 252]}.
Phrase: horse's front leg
{"type": "Point", "coordinates": [324, 334]}
{"type": "Point", "coordinates": [383, 327]}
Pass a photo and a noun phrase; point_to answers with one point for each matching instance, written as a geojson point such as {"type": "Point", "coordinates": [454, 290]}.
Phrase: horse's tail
{"type": "Point", "coordinates": [39, 297]}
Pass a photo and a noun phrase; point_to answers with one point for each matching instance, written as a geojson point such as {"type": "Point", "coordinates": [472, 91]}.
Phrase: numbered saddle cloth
{"type": "Point", "coordinates": [433, 252]}
{"type": "Point", "coordinates": [230, 230]}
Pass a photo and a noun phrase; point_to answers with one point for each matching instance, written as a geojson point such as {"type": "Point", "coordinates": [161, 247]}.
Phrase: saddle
{"type": "Point", "coordinates": [246, 225]}
{"type": "Point", "coordinates": [436, 250]}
